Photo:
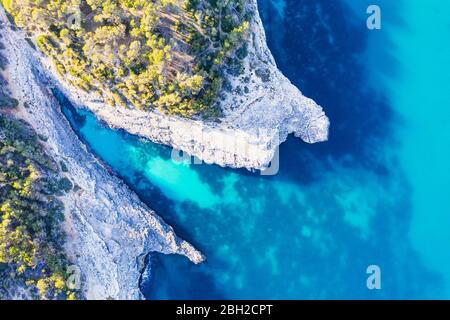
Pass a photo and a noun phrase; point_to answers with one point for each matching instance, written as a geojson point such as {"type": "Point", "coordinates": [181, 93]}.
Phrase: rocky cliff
{"type": "Point", "coordinates": [261, 108]}
{"type": "Point", "coordinates": [109, 229]}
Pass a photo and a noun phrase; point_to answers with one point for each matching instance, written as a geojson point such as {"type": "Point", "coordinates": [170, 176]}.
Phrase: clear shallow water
{"type": "Point", "coordinates": [376, 193]}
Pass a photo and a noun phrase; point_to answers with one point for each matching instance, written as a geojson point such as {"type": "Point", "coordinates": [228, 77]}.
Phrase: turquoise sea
{"type": "Point", "coordinates": [377, 193]}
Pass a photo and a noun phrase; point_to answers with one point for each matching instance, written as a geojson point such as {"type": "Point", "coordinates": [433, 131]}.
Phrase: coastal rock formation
{"type": "Point", "coordinates": [109, 229]}
{"type": "Point", "coordinates": [261, 108]}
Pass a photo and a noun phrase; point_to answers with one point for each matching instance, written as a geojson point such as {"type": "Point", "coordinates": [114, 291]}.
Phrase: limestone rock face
{"type": "Point", "coordinates": [109, 229]}
{"type": "Point", "coordinates": [261, 108]}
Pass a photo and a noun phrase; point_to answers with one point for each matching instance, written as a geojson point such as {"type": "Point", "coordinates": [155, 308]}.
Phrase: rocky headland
{"type": "Point", "coordinates": [261, 107]}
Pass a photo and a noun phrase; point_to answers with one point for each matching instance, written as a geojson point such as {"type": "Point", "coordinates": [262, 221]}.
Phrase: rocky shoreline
{"type": "Point", "coordinates": [261, 109]}
{"type": "Point", "coordinates": [109, 229]}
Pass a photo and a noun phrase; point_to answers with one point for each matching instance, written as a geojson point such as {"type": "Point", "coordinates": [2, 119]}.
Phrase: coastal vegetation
{"type": "Point", "coordinates": [170, 55]}
{"type": "Point", "coordinates": [32, 257]}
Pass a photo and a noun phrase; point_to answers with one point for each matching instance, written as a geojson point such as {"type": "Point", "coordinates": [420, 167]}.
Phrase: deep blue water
{"type": "Point", "coordinates": [376, 193]}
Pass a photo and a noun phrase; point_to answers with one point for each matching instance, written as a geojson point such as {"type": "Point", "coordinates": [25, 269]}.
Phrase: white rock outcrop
{"type": "Point", "coordinates": [255, 122]}
{"type": "Point", "coordinates": [109, 229]}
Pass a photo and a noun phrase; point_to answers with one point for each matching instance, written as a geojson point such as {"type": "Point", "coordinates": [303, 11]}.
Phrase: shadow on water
{"type": "Point", "coordinates": [184, 288]}
{"type": "Point", "coordinates": [76, 119]}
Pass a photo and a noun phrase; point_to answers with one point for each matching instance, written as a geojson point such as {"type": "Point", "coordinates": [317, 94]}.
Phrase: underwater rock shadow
{"type": "Point", "coordinates": [165, 274]}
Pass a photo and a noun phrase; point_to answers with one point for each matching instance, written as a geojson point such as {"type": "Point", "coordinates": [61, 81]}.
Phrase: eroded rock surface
{"type": "Point", "coordinates": [261, 108]}
{"type": "Point", "coordinates": [109, 229]}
